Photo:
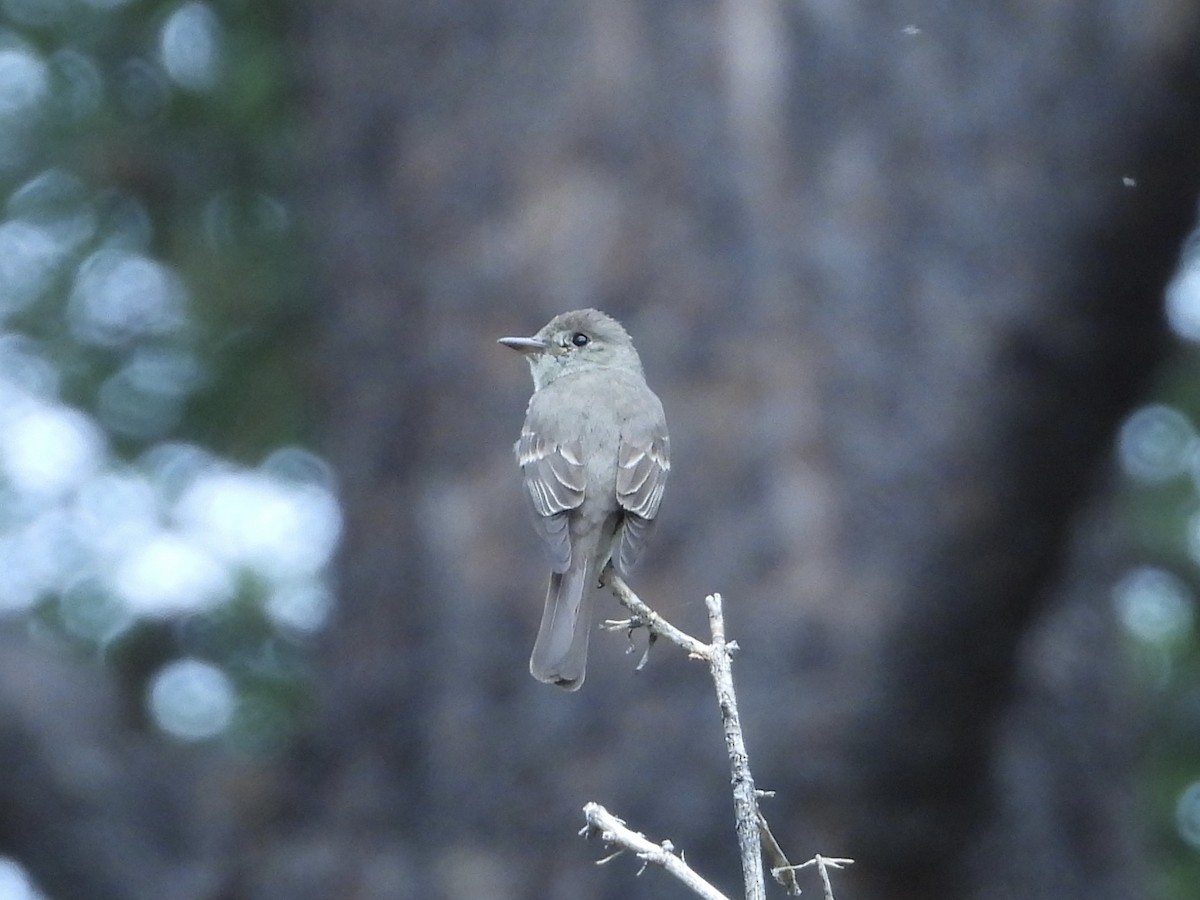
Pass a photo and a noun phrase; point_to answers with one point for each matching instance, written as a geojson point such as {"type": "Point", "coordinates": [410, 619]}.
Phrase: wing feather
{"type": "Point", "coordinates": [642, 467]}
{"type": "Point", "coordinates": [554, 479]}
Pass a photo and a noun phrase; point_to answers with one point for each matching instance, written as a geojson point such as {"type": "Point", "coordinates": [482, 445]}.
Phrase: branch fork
{"type": "Point", "coordinates": [754, 836]}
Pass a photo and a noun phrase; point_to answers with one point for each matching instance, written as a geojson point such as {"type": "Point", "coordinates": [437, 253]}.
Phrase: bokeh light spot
{"type": "Point", "coordinates": [1183, 298]}
{"type": "Point", "coordinates": [57, 202]}
{"type": "Point", "coordinates": [231, 220]}
{"type": "Point", "coordinates": [1193, 536]}
{"type": "Point", "coordinates": [20, 587]}
{"type": "Point", "coordinates": [36, 555]}
{"type": "Point", "coordinates": [300, 606]}
{"type": "Point", "coordinates": [115, 512]}
{"type": "Point", "coordinates": [78, 86]}
{"type": "Point", "coordinates": [144, 398]}
{"type": "Point", "coordinates": [29, 256]}
{"type": "Point", "coordinates": [90, 611]}
{"type": "Point", "coordinates": [1187, 815]}
{"type": "Point", "coordinates": [190, 47]}
{"type": "Point", "coordinates": [24, 371]}
{"type": "Point", "coordinates": [15, 883]}
{"type": "Point", "coordinates": [281, 530]}
{"type": "Point", "coordinates": [1154, 606]}
{"type": "Point", "coordinates": [1156, 443]}
{"type": "Point", "coordinates": [192, 700]}
{"type": "Point", "coordinates": [174, 465]}
{"type": "Point", "coordinates": [50, 450]}
{"type": "Point", "coordinates": [121, 296]}
{"type": "Point", "coordinates": [24, 81]}
{"type": "Point", "coordinates": [295, 464]}
{"type": "Point", "coordinates": [171, 575]}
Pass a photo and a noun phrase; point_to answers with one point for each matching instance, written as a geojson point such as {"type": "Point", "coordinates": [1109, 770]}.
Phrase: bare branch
{"type": "Point", "coordinates": [823, 864]}
{"type": "Point", "coordinates": [718, 655]}
{"type": "Point", "coordinates": [745, 799]}
{"type": "Point", "coordinates": [754, 835]}
{"type": "Point", "coordinates": [647, 618]}
{"type": "Point", "coordinates": [614, 831]}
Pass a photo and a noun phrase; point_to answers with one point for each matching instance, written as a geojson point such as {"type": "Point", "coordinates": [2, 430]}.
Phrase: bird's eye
{"type": "Point", "coordinates": [579, 339]}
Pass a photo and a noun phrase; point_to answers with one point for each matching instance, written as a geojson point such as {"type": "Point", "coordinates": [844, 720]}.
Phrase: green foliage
{"type": "Point", "coordinates": [146, 159]}
{"type": "Point", "coordinates": [1161, 504]}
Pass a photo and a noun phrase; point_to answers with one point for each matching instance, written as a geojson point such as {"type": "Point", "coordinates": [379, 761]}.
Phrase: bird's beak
{"type": "Point", "coordinates": [525, 344]}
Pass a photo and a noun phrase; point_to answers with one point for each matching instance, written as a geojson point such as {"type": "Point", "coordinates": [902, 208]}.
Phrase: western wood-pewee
{"type": "Point", "coordinates": [594, 456]}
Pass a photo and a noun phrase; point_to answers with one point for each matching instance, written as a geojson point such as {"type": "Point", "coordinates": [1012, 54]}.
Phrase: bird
{"type": "Point", "coordinates": [594, 455]}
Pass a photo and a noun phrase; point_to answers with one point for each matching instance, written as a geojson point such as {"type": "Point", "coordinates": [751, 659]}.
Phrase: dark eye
{"type": "Point", "coordinates": [579, 339]}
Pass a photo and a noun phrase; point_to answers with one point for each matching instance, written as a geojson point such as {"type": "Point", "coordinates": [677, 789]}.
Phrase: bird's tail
{"type": "Point", "coordinates": [560, 651]}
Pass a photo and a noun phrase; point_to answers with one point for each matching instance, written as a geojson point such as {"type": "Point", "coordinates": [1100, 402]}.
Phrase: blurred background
{"type": "Point", "coordinates": [914, 283]}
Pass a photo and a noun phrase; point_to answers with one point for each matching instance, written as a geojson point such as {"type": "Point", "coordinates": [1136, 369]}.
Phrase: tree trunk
{"type": "Point", "coordinates": [896, 273]}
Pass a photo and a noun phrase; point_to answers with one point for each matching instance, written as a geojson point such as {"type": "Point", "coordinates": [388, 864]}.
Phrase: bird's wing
{"type": "Point", "coordinates": [643, 462]}
{"type": "Point", "coordinates": [554, 481]}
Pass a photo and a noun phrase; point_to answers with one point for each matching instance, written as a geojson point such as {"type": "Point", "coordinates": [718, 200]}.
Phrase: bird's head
{"type": "Point", "coordinates": [576, 341]}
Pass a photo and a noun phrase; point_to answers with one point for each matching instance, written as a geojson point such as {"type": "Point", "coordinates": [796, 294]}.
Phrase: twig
{"type": "Point", "coordinates": [646, 617]}
{"type": "Point", "coordinates": [718, 655]}
{"type": "Point", "coordinates": [824, 864]}
{"type": "Point", "coordinates": [613, 831]}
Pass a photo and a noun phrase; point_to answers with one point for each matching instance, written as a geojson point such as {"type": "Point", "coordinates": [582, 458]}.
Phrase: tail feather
{"type": "Point", "coordinates": [560, 651]}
